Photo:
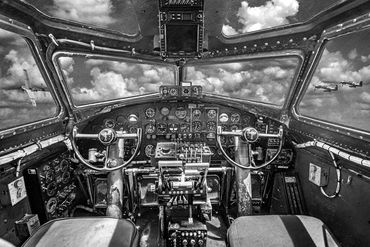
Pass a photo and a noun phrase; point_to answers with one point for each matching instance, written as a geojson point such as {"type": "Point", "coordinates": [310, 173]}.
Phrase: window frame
{"type": "Point", "coordinates": [35, 48]}
{"type": "Point", "coordinates": [67, 90]}
{"type": "Point", "coordinates": [345, 28]}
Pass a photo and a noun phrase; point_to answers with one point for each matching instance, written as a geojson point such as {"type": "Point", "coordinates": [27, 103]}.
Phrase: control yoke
{"type": "Point", "coordinates": [249, 135]}
{"type": "Point", "coordinates": [112, 157]}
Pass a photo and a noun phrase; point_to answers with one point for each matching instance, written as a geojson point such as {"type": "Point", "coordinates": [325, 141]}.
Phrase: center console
{"type": "Point", "coordinates": [182, 189]}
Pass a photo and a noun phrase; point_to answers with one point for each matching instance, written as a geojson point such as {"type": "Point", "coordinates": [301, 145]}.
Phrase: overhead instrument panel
{"type": "Point", "coordinates": [181, 27]}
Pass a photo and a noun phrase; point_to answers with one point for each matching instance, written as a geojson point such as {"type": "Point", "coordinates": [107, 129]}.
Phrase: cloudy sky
{"type": "Point", "coordinates": [94, 80]}
{"type": "Point", "coordinates": [252, 15]}
{"type": "Point", "coordinates": [114, 14]}
{"type": "Point", "coordinates": [344, 59]}
{"type": "Point", "coordinates": [17, 63]}
{"type": "Point", "coordinates": [264, 80]}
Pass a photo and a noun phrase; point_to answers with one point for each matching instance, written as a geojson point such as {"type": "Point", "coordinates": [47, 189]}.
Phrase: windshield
{"type": "Point", "coordinates": [264, 80]}
{"type": "Point", "coordinates": [92, 80]}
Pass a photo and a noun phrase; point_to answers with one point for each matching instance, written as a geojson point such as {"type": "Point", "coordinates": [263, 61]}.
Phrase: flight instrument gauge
{"type": "Point", "coordinates": [212, 114]}
{"type": "Point", "coordinates": [184, 128]}
{"type": "Point", "coordinates": [173, 127]}
{"type": "Point", "coordinates": [197, 126]}
{"type": "Point", "coordinates": [174, 92]}
{"type": "Point", "coordinates": [165, 111]}
{"type": "Point", "coordinates": [149, 150]}
{"type": "Point", "coordinates": [161, 128]}
{"type": "Point", "coordinates": [149, 128]}
{"type": "Point", "coordinates": [224, 118]}
{"type": "Point", "coordinates": [196, 114]}
{"type": "Point", "coordinates": [180, 113]}
{"type": "Point", "coordinates": [235, 118]}
{"type": "Point", "coordinates": [211, 126]}
{"type": "Point", "coordinates": [109, 123]}
{"type": "Point", "coordinates": [150, 112]}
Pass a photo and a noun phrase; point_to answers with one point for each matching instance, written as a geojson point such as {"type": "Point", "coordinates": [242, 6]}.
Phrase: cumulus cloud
{"type": "Point", "coordinates": [108, 80]}
{"type": "Point", "coordinates": [263, 80]}
{"type": "Point", "coordinates": [96, 12]}
{"type": "Point", "coordinates": [273, 13]}
{"type": "Point", "coordinates": [23, 68]}
{"type": "Point", "coordinates": [334, 66]}
{"type": "Point", "coordinates": [228, 30]}
{"type": "Point", "coordinates": [353, 54]}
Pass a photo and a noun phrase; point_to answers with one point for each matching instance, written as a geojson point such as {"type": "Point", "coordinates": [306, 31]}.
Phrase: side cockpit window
{"type": "Point", "coordinates": [24, 95]}
{"type": "Point", "coordinates": [339, 91]}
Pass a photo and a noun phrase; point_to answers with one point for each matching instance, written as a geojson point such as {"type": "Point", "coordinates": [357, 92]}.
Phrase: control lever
{"type": "Point", "coordinates": [180, 201]}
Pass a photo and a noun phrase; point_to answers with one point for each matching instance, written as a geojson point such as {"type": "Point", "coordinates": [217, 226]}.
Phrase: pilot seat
{"type": "Point", "coordinates": [86, 231]}
{"type": "Point", "coordinates": [279, 230]}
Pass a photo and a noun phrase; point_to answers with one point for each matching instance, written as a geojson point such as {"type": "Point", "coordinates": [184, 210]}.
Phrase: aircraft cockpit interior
{"type": "Point", "coordinates": [184, 123]}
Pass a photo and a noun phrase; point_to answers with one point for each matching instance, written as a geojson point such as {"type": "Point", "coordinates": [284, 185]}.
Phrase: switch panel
{"type": "Point", "coordinates": [318, 175]}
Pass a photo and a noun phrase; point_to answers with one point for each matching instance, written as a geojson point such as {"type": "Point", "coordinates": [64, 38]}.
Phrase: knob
{"type": "Point", "coordinates": [200, 242]}
{"type": "Point", "coordinates": [173, 235]}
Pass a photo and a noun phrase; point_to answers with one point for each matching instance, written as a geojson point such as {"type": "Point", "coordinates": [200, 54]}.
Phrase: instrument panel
{"type": "Point", "coordinates": [179, 121]}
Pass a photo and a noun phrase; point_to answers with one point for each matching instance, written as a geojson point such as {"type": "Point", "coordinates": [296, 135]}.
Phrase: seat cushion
{"type": "Point", "coordinates": [89, 231]}
{"type": "Point", "coordinates": [279, 230]}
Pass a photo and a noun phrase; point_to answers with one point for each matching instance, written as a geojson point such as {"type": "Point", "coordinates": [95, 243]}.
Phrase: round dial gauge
{"type": "Point", "coordinates": [173, 92]}
{"type": "Point", "coordinates": [49, 176]}
{"type": "Point", "coordinates": [196, 114]}
{"type": "Point", "coordinates": [224, 118]}
{"type": "Point", "coordinates": [197, 126]}
{"type": "Point", "coordinates": [120, 119]}
{"type": "Point", "coordinates": [212, 114]}
{"type": "Point", "coordinates": [109, 123]}
{"type": "Point", "coordinates": [65, 177]}
{"type": "Point", "coordinates": [180, 113]}
{"type": "Point", "coordinates": [211, 126]}
{"type": "Point", "coordinates": [173, 127]}
{"type": "Point", "coordinates": [51, 205]}
{"type": "Point", "coordinates": [165, 111]}
{"type": "Point", "coordinates": [235, 118]}
{"type": "Point", "coordinates": [51, 189]}
{"type": "Point", "coordinates": [150, 112]}
{"type": "Point", "coordinates": [149, 151]}
{"type": "Point", "coordinates": [149, 128]}
{"type": "Point", "coordinates": [184, 127]}
{"type": "Point", "coordinates": [161, 128]}
{"type": "Point", "coordinates": [64, 164]}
